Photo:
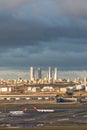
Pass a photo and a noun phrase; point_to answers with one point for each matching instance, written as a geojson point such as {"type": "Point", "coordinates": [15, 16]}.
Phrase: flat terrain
{"type": "Point", "coordinates": [65, 116]}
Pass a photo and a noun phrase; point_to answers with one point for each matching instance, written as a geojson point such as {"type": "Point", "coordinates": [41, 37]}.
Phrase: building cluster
{"type": "Point", "coordinates": [39, 83]}
{"type": "Point", "coordinates": [50, 74]}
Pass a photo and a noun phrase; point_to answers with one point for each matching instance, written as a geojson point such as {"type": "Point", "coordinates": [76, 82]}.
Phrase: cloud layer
{"type": "Point", "coordinates": [43, 33]}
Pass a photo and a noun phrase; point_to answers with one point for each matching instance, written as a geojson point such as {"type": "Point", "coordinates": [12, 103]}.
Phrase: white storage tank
{"type": "Point", "coordinates": [63, 89]}
{"type": "Point", "coordinates": [3, 89]}
{"type": "Point", "coordinates": [78, 87]}
{"type": "Point", "coordinates": [86, 88]}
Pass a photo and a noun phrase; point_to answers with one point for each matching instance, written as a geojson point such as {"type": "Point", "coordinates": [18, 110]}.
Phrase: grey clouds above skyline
{"type": "Point", "coordinates": [43, 33]}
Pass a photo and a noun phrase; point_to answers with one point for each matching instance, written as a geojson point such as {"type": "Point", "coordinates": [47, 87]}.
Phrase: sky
{"type": "Point", "coordinates": [43, 33]}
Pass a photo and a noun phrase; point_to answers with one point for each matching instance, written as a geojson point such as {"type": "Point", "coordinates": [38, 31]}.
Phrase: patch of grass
{"type": "Point", "coordinates": [77, 128]}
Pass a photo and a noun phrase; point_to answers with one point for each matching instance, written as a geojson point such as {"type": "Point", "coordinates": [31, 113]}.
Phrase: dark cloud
{"type": "Point", "coordinates": [43, 33]}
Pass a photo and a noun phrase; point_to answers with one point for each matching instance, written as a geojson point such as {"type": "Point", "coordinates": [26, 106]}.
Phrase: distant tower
{"type": "Point", "coordinates": [85, 80]}
{"type": "Point", "coordinates": [49, 73]}
{"type": "Point", "coordinates": [55, 74]}
{"type": "Point", "coordinates": [31, 73]}
{"type": "Point", "coordinates": [39, 73]}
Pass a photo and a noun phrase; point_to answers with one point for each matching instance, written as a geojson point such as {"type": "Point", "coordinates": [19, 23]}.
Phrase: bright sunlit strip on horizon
{"type": "Point", "coordinates": [15, 74]}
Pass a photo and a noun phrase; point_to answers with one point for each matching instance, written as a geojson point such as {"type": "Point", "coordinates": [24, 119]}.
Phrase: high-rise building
{"type": "Point", "coordinates": [39, 73]}
{"type": "Point", "coordinates": [32, 77]}
{"type": "Point", "coordinates": [85, 80]}
{"type": "Point", "coordinates": [49, 73]}
{"type": "Point", "coordinates": [55, 73]}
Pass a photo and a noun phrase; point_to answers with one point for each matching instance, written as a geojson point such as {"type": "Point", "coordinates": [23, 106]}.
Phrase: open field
{"type": "Point", "coordinates": [78, 128]}
{"type": "Point", "coordinates": [7, 106]}
{"type": "Point", "coordinates": [66, 116]}
{"type": "Point", "coordinates": [17, 105]}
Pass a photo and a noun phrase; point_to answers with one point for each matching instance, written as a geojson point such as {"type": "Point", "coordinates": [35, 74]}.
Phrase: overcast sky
{"type": "Point", "coordinates": [43, 33]}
